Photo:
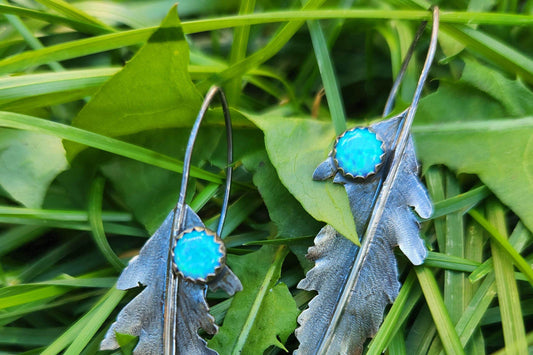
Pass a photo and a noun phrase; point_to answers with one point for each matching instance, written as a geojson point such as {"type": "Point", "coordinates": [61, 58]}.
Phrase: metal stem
{"type": "Point", "coordinates": [396, 85]}
{"type": "Point", "coordinates": [383, 196]}
{"type": "Point", "coordinates": [171, 292]}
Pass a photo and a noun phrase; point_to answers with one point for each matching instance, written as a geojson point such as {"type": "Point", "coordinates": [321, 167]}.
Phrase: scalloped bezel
{"type": "Point", "coordinates": [222, 259]}
{"type": "Point", "coordinates": [350, 175]}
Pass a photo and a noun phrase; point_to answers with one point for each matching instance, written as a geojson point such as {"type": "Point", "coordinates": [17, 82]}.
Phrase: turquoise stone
{"type": "Point", "coordinates": [197, 254]}
{"type": "Point", "coordinates": [358, 152]}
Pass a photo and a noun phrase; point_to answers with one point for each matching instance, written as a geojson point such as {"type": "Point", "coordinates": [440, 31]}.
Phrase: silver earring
{"type": "Point", "coordinates": [176, 266]}
{"type": "Point", "coordinates": [377, 167]}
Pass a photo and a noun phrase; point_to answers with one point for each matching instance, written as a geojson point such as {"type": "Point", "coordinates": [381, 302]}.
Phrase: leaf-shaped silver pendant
{"type": "Point", "coordinates": [176, 266]}
{"type": "Point", "coordinates": [143, 316]}
{"type": "Point", "coordinates": [377, 167]}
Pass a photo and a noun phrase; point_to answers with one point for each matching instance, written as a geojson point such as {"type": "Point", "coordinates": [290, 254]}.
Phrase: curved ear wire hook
{"type": "Point", "coordinates": [169, 336]}
{"type": "Point", "coordinates": [396, 86]}
{"type": "Point", "coordinates": [188, 154]}
{"type": "Point", "coordinates": [429, 59]}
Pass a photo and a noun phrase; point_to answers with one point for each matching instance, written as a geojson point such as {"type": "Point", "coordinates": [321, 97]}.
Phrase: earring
{"type": "Point", "coordinates": [377, 167]}
{"type": "Point", "coordinates": [176, 266]}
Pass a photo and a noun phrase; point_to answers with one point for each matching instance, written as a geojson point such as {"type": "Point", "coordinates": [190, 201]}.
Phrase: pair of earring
{"type": "Point", "coordinates": [376, 165]}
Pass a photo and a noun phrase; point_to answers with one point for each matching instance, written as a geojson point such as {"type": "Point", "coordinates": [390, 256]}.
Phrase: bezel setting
{"type": "Point", "coordinates": [221, 260]}
{"type": "Point", "coordinates": [348, 174]}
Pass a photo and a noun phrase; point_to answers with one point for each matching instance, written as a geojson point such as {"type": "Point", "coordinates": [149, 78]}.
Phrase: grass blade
{"type": "Point", "coordinates": [471, 318]}
{"type": "Point", "coordinates": [441, 318]}
{"type": "Point", "coordinates": [107, 42]}
{"type": "Point", "coordinates": [454, 282]}
{"type": "Point", "coordinates": [63, 215]}
{"type": "Point", "coordinates": [520, 263]}
{"type": "Point", "coordinates": [73, 13]}
{"type": "Point", "coordinates": [436, 189]}
{"type": "Point", "coordinates": [32, 85]}
{"type": "Point", "coordinates": [79, 334]}
{"type": "Point", "coordinates": [450, 262]}
{"type": "Point", "coordinates": [329, 79]}
{"type": "Point", "coordinates": [97, 227]}
{"type": "Point", "coordinates": [14, 120]}
{"type": "Point", "coordinates": [509, 301]}
{"type": "Point", "coordinates": [462, 202]}
{"type": "Point", "coordinates": [262, 55]}
{"type": "Point", "coordinates": [51, 18]}
{"type": "Point", "coordinates": [238, 50]}
{"type": "Point", "coordinates": [519, 240]}
{"type": "Point", "coordinates": [74, 49]}
{"type": "Point", "coordinates": [404, 303]}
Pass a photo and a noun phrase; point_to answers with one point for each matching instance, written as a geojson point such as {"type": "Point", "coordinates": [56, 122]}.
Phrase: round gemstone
{"type": "Point", "coordinates": [358, 152]}
{"type": "Point", "coordinates": [197, 254]}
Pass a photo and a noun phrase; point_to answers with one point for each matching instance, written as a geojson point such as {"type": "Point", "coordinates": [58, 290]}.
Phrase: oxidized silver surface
{"type": "Point", "coordinates": [143, 316]}
{"type": "Point", "coordinates": [168, 313]}
{"type": "Point", "coordinates": [355, 284]}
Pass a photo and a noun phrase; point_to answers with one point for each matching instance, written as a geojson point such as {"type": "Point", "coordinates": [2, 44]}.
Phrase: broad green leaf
{"type": "Point", "coordinates": [500, 152]}
{"type": "Point", "coordinates": [515, 97]}
{"type": "Point", "coordinates": [469, 103]}
{"type": "Point", "coordinates": [493, 49]}
{"type": "Point", "coordinates": [156, 190]}
{"type": "Point", "coordinates": [154, 90]}
{"type": "Point", "coordinates": [29, 162]}
{"type": "Point", "coordinates": [264, 313]}
{"type": "Point", "coordinates": [296, 147]}
{"type": "Point", "coordinates": [480, 94]}
{"type": "Point", "coordinates": [284, 210]}
{"type": "Point", "coordinates": [127, 343]}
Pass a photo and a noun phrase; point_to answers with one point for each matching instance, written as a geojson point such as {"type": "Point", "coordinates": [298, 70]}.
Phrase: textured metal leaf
{"type": "Point", "coordinates": [143, 316]}
{"type": "Point", "coordinates": [376, 282]}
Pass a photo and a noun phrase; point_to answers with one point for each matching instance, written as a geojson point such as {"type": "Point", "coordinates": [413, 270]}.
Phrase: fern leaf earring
{"type": "Point", "coordinates": [378, 168]}
{"type": "Point", "coordinates": [177, 265]}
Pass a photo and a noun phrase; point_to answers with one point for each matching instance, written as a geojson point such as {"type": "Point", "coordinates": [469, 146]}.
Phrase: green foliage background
{"type": "Point", "coordinates": [96, 103]}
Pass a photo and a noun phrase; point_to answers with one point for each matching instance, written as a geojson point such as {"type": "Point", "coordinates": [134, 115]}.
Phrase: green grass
{"type": "Point", "coordinates": [67, 227]}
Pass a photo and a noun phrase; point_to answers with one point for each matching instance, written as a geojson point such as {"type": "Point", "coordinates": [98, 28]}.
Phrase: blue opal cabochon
{"type": "Point", "coordinates": [198, 254]}
{"type": "Point", "coordinates": [358, 152]}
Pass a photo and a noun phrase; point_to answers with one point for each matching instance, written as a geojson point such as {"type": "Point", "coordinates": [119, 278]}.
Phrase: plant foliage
{"type": "Point", "coordinates": [96, 103]}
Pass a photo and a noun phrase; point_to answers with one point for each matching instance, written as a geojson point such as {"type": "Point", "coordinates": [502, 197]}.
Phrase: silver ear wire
{"type": "Point", "coordinates": [169, 332]}
{"type": "Point", "coordinates": [188, 154]}
{"type": "Point", "coordinates": [429, 59]}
